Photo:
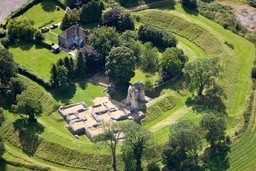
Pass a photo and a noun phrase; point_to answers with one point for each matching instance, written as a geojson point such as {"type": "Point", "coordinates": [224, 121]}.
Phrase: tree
{"type": "Point", "coordinates": [2, 148]}
{"type": "Point", "coordinates": [157, 36]}
{"type": "Point", "coordinates": [8, 69]}
{"type": "Point", "coordinates": [184, 142]}
{"type": "Point", "coordinates": [215, 128]}
{"type": "Point", "coordinates": [103, 39]}
{"type": "Point", "coordinates": [39, 36]}
{"type": "Point", "coordinates": [137, 139]}
{"type": "Point", "coordinates": [80, 64]}
{"type": "Point", "coordinates": [69, 64]}
{"type": "Point", "coordinates": [129, 38]}
{"type": "Point", "coordinates": [191, 4]}
{"type": "Point", "coordinates": [59, 75]}
{"type": "Point", "coordinates": [172, 61]}
{"type": "Point", "coordinates": [28, 104]}
{"type": "Point", "coordinates": [110, 136]}
{"type": "Point", "coordinates": [252, 3]}
{"type": "Point", "coordinates": [120, 65]}
{"type": "Point", "coordinates": [91, 12]}
{"type": "Point", "coordinates": [149, 62]}
{"type": "Point", "coordinates": [21, 28]}
{"type": "Point", "coordinates": [65, 23]}
{"type": "Point", "coordinates": [119, 19]}
{"type": "Point", "coordinates": [201, 73]}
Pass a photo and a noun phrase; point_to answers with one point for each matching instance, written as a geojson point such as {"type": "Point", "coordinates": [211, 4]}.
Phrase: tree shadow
{"type": "Point", "coordinates": [28, 137]}
{"type": "Point", "coordinates": [82, 85]}
{"type": "Point", "coordinates": [64, 95]}
{"type": "Point", "coordinates": [25, 46]}
{"type": "Point", "coordinates": [48, 5]}
{"type": "Point", "coordinates": [3, 165]}
{"type": "Point", "coordinates": [191, 11]}
{"type": "Point", "coordinates": [218, 159]}
{"type": "Point", "coordinates": [210, 101]}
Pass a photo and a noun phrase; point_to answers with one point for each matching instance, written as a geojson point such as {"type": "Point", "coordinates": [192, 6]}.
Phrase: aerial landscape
{"type": "Point", "coordinates": [128, 85]}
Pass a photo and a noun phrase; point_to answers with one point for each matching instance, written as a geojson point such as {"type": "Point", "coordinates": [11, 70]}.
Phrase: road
{"type": "Point", "coordinates": [7, 6]}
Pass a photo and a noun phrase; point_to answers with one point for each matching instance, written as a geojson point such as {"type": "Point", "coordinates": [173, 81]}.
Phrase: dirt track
{"type": "Point", "coordinates": [7, 6]}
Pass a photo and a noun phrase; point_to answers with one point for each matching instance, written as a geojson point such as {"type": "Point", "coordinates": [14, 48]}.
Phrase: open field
{"type": "Point", "coordinates": [35, 57]}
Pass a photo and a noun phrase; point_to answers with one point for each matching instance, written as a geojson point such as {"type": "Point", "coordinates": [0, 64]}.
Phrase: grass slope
{"type": "Point", "coordinates": [237, 67]}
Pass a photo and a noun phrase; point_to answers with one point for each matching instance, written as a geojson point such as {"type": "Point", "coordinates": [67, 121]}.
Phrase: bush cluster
{"type": "Point", "coordinates": [32, 75]}
{"type": "Point", "coordinates": [157, 36]}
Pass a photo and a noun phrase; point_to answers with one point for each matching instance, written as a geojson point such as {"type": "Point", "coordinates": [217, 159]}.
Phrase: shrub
{"type": "Point", "coordinates": [157, 36]}
{"type": "Point", "coordinates": [119, 19]}
{"type": "Point", "coordinates": [252, 3]}
{"type": "Point", "coordinates": [253, 72]}
{"type": "Point", "coordinates": [32, 75]}
{"type": "Point", "coordinates": [229, 44]}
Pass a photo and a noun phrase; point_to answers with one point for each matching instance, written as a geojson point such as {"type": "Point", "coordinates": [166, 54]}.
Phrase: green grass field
{"type": "Point", "coordinates": [35, 57]}
{"type": "Point", "coordinates": [45, 11]}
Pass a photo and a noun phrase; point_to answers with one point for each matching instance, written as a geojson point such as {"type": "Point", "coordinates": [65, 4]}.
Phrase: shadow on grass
{"type": "Point", "coordinates": [28, 137]}
{"type": "Point", "coordinates": [23, 45]}
{"type": "Point", "coordinates": [191, 11]}
{"type": "Point", "coordinates": [210, 101]}
{"type": "Point", "coordinates": [217, 160]}
{"type": "Point", "coordinates": [3, 165]}
{"type": "Point", "coordinates": [82, 85]}
{"type": "Point", "coordinates": [48, 5]}
{"type": "Point", "coordinates": [64, 95]}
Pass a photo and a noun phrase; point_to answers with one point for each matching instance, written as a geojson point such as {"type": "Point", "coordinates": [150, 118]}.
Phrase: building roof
{"type": "Point", "coordinates": [55, 46]}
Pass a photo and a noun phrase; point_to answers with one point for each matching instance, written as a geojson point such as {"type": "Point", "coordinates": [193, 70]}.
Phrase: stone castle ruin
{"type": "Point", "coordinates": [135, 95]}
{"type": "Point", "coordinates": [82, 119]}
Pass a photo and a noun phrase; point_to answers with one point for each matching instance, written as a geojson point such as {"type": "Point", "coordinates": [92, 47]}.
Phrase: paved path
{"type": "Point", "coordinates": [7, 6]}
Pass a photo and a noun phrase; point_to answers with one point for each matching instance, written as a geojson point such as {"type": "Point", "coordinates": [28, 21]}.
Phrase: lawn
{"type": "Point", "coordinates": [35, 57]}
{"type": "Point", "coordinates": [45, 11]}
{"type": "Point", "coordinates": [147, 79]}
{"type": "Point", "coordinates": [82, 91]}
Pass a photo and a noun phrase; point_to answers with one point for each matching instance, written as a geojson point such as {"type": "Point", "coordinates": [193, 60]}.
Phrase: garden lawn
{"type": "Point", "coordinates": [35, 57]}
{"type": "Point", "coordinates": [82, 91]}
{"type": "Point", "coordinates": [45, 11]}
{"type": "Point", "coordinates": [147, 79]}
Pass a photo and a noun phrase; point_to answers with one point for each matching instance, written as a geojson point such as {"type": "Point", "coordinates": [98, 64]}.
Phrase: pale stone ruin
{"type": "Point", "coordinates": [82, 119]}
{"type": "Point", "coordinates": [136, 95]}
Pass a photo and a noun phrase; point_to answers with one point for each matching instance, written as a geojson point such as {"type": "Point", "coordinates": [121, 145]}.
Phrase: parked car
{"type": "Point", "coordinates": [53, 26]}
{"type": "Point", "coordinates": [44, 29]}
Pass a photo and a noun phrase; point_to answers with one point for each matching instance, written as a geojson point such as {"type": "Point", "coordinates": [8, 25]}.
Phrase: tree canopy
{"type": "Point", "coordinates": [120, 65]}
{"type": "Point", "coordinates": [91, 12]}
{"type": "Point", "coordinates": [137, 139]}
{"type": "Point", "coordinates": [191, 4]}
{"type": "Point", "coordinates": [157, 36]}
{"type": "Point", "coordinates": [149, 62]}
{"type": "Point", "coordinates": [201, 73]}
{"type": "Point", "coordinates": [21, 28]}
{"type": "Point", "coordinates": [103, 39]}
{"type": "Point", "coordinates": [110, 136]}
{"type": "Point", "coordinates": [173, 60]}
{"type": "Point", "coordinates": [215, 128]}
{"type": "Point", "coordinates": [184, 142]}
{"type": "Point", "coordinates": [28, 104]}
{"type": "Point", "coordinates": [119, 19]}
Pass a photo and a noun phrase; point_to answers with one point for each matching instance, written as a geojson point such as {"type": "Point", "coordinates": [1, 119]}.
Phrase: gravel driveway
{"type": "Point", "coordinates": [7, 6]}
